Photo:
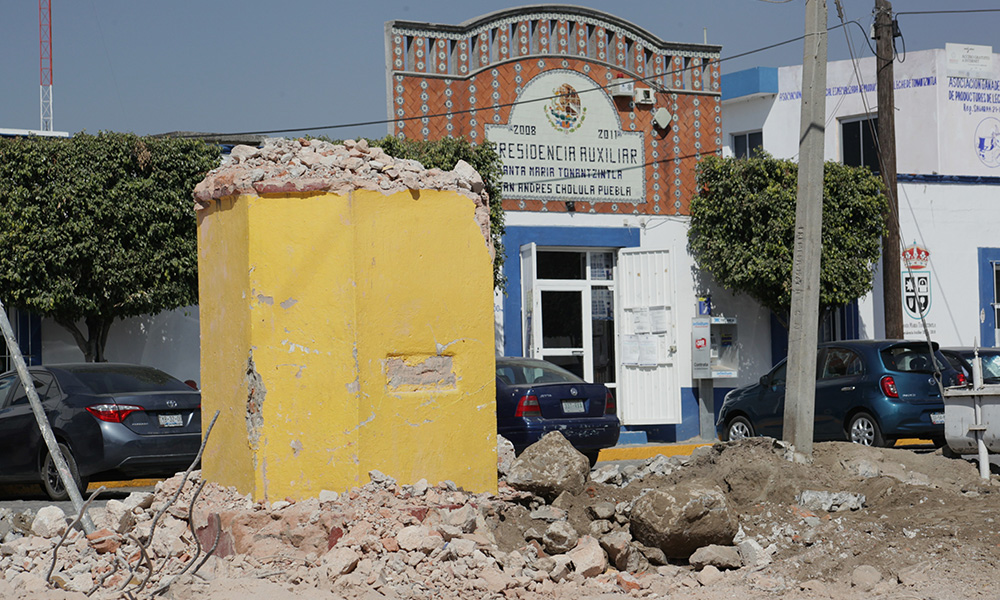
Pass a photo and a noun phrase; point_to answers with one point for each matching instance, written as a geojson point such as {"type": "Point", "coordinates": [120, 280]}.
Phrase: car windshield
{"type": "Point", "coordinates": [130, 379]}
{"type": "Point", "coordinates": [910, 358]}
{"type": "Point", "coordinates": [991, 366]}
{"type": "Point", "coordinates": [529, 372]}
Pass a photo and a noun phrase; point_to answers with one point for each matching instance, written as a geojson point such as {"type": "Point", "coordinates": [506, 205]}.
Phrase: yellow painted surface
{"type": "Point", "coordinates": [369, 319]}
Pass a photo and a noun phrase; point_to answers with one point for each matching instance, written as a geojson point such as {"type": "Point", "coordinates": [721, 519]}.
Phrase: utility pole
{"type": "Point", "coordinates": [803, 323]}
{"type": "Point", "coordinates": [892, 303]}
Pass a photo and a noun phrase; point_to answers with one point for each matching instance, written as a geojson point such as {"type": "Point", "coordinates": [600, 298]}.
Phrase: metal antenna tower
{"type": "Point", "coordinates": [45, 58]}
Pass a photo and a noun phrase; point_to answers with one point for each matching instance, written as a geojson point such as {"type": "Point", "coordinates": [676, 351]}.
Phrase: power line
{"type": "Point", "coordinates": [949, 12]}
{"type": "Point", "coordinates": [517, 102]}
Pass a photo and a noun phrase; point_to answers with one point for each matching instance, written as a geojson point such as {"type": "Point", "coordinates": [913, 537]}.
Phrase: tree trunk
{"type": "Point", "coordinates": [92, 345]}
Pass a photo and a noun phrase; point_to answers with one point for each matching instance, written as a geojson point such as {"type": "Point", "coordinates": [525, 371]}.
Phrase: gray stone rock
{"type": "Point", "coordinates": [550, 467]}
{"type": "Point", "coordinates": [679, 522]}
{"type": "Point", "coordinates": [720, 557]}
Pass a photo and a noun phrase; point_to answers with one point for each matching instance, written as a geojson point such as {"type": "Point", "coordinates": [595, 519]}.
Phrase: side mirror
{"type": "Point", "coordinates": [763, 380]}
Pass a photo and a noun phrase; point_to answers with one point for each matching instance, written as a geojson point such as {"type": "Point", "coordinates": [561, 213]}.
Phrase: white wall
{"type": "Point", "coordinates": [169, 341]}
{"type": "Point", "coordinates": [952, 222]}
{"type": "Point", "coordinates": [753, 321]}
{"type": "Point", "coordinates": [939, 119]}
{"type": "Point", "coordinates": [670, 233]}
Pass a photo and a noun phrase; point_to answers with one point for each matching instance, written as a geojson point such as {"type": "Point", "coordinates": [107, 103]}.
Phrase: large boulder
{"type": "Point", "coordinates": [550, 467]}
{"type": "Point", "coordinates": [678, 522]}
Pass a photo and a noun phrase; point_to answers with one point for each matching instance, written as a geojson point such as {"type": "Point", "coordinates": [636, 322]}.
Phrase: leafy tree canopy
{"type": "Point", "coordinates": [444, 154]}
{"type": "Point", "coordinates": [743, 222]}
{"type": "Point", "coordinates": [98, 227]}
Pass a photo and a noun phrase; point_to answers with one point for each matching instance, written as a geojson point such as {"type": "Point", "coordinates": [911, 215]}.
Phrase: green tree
{"type": "Point", "coordinates": [99, 227]}
{"type": "Point", "coordinates": [444, 154]}
{"type": "Point", "coordinates": [743, 222]}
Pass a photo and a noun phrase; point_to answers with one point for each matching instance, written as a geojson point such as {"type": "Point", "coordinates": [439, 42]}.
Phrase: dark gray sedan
{"type": "Point", "coordinates": [112, 421]}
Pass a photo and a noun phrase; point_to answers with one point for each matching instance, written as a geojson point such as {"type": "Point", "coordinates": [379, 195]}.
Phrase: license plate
{"type": "Point", "coordinates": [937, 418]}
{"type": "Point", "coordinates": [171, 420]}
{"type": "Point", "coordinates": [572, 406]}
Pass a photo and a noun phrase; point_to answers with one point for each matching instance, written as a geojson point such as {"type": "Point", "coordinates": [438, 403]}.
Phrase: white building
{"type": "Point", "coordinates": [948, 162]}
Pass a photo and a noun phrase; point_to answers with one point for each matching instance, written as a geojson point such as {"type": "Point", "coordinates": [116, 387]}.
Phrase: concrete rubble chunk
{"type": "Point", "coordinates": [505, 455]}
{"type": "Point", "coordinates": [601, 510]}
{"type": "Point", "coordinates": [865, 577]}
{"type": "Point", "coordinates": [50, 521]}
{"type": "Point", "coordinates": [709, 576]}
{"type": "Point", "coordinates": [830, 501]}
{"type": "Point", "coordinates": [588, 558]}
{"type": "Point", "coordinates": [682, 520]}
{"type": "Point", "coordinates": [284, 166]}
{"type": "Point", "coordinates": [560, 537]}
{"type": "Point", "coordinates": [340, 561]}
{"type": "Point", "coordinates": [548, 513]}
{"type": "Point", "coordinates": [550, 467]}
{"type": "Point", "coordinates": [753, 554]}
{"type": "Point", "coordinates": [720, 557]}
{"type": "Point", "coordinates": [417, 538]}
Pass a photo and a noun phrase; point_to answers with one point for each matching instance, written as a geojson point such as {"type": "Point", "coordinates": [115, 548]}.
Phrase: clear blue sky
{"type": "Point", "coordinates": [235, 66]}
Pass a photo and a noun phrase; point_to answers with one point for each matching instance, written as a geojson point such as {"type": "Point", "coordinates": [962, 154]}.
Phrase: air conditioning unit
{"type": "Point", "coordinates": [644, 96]}
{"type": "Point", "coordinates": [623, 88]}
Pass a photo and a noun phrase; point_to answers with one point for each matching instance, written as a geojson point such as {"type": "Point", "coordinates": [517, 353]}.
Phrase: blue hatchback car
{"type": "Point", "coordinates": [870, 392]}
{"type": "Point", "coordinates": [535, 397]}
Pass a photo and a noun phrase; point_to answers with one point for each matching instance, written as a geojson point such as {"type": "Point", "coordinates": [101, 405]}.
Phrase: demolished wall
{"type": "Point", "coordinates": [347, 324]}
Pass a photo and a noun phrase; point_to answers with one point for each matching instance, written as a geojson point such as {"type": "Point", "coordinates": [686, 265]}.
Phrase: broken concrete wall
{"type": "Point", "coordinates": [344, 330]}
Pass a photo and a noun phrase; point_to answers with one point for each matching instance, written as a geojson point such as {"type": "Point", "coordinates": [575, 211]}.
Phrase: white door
{"type": "Point", "coordinates": [649, 390]}
{"type": "Point", "coordinates": [529, 306]}
{"type": "Point", "coordinates": [567, 309]}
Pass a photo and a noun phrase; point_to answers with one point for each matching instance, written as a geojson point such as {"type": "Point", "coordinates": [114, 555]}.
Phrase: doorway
{"type": "Point", "coordinates": [569, 316]}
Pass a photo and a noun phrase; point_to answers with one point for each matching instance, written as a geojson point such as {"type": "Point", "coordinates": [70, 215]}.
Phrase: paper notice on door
{"type": "Point", "coordinates": [659, 319]}
{"type": "Point", "coordinates": [640, 320]}
{"type": "Point", "coordinates": [630, 350]}
{"type": "Point", "coordinates": [648, 350]}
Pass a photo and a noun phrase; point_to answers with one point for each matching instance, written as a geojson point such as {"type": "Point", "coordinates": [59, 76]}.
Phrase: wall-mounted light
{"type": "Point", "coordinates": [570, 206]}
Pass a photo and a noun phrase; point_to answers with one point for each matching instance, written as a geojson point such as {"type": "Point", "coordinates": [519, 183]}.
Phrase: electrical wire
{"type": "Point", "coordinates": [892, 193]}
{"type": "Point", "coordinates": [647, 79]}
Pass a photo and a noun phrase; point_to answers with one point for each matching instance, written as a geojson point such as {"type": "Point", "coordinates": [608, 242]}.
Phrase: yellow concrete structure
{"type": "Point", "coordinates": [342, 334]}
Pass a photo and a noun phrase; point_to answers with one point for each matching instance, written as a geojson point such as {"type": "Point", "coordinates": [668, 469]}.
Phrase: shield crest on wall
{"type": "Point", "coordinates": [916, 293]}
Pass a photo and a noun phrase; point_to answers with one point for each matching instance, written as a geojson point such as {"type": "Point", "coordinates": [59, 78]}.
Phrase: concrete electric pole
{"type": "Point", "coordinates": [803, 324]}
{"type": "Point", "coordinates": [892, 303]}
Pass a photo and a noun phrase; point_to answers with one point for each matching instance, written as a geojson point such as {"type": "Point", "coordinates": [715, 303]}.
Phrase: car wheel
{"type": "Point", "coordinates": [592, 457]}
{"type": "Point", "coordinates": [738, 429]}
{"type": "Point", "coordinates": [865, 431]}
{"type": "Point", "coordinates": [52, 484]}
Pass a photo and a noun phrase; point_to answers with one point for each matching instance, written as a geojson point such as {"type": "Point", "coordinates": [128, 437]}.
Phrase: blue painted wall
{"type": "Point", "coordinates": [750, 82]}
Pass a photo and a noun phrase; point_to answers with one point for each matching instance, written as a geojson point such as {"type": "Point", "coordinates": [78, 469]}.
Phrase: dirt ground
{"type": "Point", "coordinates": [926, 529]}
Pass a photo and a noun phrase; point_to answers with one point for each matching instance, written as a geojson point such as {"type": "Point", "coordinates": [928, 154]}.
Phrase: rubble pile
{"type": "Point", "coordinates": [552, 530]}
{"type": "Point", "coordinates": [287, 166]}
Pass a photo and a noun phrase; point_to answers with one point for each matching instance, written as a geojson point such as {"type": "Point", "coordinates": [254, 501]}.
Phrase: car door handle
{"type": "Point", "coordinates": [847, 388]}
